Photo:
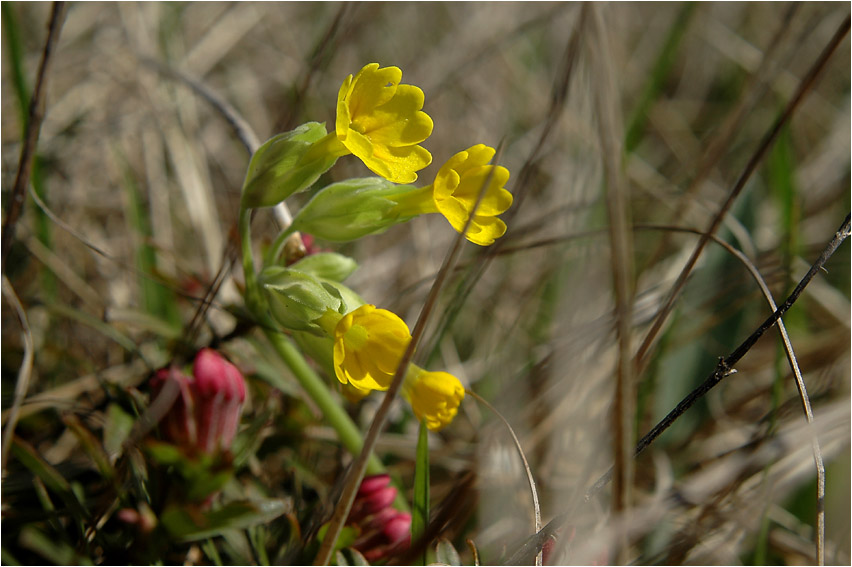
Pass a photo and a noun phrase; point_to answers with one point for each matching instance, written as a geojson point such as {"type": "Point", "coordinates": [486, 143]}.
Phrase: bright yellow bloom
{"type": "Point", "coordinates": [368, 345]}
{"type": "Point", "coordinates": [456, 190]}
{"type": "Point", "coordinates": [434, 396]}
{"type": "Point", "coordinates": [381, 122]}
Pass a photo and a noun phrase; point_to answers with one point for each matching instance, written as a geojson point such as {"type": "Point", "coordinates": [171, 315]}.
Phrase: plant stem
{"type": "Point", "coordinates": [278, 246]}
{"type": "Point", "coordinates": [335, 415]}
{"type": "Point", "coordinates": [313, 385]}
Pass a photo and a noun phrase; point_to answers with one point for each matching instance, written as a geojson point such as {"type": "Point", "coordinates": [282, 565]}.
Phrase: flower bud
{"type": "Point", "coordinates": [297, 299]}
{"type": "Point", "coordinates": [220, 392]}
{"type": "Point", "coordinates": [385, 534]}
{"type": "Point", "coordinates": [326, 265]}
{"type": "Point", "coordinates": [434, 396]}
{"type": "Point", "coordinates": [351, 209]}
{"type": "Point", "coordinates": [373, 483]}
{"type": "Point", "coordinates": [372, 503]}
{"type": "Point", "coordinates": [283, 166]}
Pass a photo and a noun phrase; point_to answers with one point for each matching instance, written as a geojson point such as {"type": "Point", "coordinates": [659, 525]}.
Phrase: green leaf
{"type": "Point", "coordinates": [420, 512]}
{"type": "Point", "coordinates": [57, 552]}
{"type": "Point", "coordinates": [118, 425]}
{"type": "Point", "coordinates": [184, 526]}
{"type": "Point", "coordinates": [54, 481]}
{"type": "Point", "coordinates": [91, 446]}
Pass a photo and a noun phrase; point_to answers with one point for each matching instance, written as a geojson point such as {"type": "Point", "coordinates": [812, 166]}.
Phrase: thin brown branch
{"type": "Point", "coordinates": [36, 117]}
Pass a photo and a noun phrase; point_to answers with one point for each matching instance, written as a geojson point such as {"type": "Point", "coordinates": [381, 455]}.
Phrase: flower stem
{"type": "Point", "coordinates": [313, 385]}
{"type": "Point", "coordinates": [252, 293]}
{"type": "Point", "coordinates": [347, 431]}
{"type": "Point", "coordinates": [278, 246]}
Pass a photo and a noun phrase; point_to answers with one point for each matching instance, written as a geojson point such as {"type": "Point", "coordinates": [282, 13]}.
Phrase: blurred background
{"type": "Point", "coordinates": [640, 112]}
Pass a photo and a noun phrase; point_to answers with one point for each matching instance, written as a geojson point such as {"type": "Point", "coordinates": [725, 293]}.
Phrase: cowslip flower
{"type": "Point", "coordinates": [368, 346]}
{"type": "Point", "coordinates": [434, 396]}
{"type": "Point", "coordinates": [455, 193]}
{"type": "Point", "coordinates": [381, 122]}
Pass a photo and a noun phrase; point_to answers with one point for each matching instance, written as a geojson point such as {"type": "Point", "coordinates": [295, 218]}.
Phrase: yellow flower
{"type": "Point", "coordinates": [381, 122]}
{"type": "Point", "coordinates": [456, 190]}
{"type": "Point", "coordinates": [434, 396]}
{"type": "Point", "coordinates": [368, 345]}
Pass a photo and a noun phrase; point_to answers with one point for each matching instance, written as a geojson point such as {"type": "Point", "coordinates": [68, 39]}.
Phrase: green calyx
{"type": "Point", "coordinates": [284, 165]}
{"type": "Point", "coordinates": [351, 209]}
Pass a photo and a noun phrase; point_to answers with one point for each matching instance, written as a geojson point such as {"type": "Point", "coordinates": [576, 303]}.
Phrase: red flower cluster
{"type": "Point", "coordinates": [206, 413]}
{"type": "Point", "coordinates": [385, 531]}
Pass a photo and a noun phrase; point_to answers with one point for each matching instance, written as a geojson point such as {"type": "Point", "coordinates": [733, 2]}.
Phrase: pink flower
{"type": "Point", "coordinates": [220, 392]}
{"type": "Point", "coordinates": [385, 531]}
{"type": "Point", "coordinates": [206, 414]}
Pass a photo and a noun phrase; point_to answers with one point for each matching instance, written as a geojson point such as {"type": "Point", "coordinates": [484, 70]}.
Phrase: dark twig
{"type": "Point", "coordinates": [724, 368]}
{"type": "Point", "coordinates": [36, 117]}
{"type": "Point", "coordinates": [764, 145]}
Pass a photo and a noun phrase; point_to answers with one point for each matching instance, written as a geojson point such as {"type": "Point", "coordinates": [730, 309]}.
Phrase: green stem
{"type": "Point", "coordinates": [313, 385]}
{"type": "Point", "coordinates": [252, 294]}
{"type": "Point", "coordinates": [277, 247]}
{"type": "Point", "coordinates": [347, 431]}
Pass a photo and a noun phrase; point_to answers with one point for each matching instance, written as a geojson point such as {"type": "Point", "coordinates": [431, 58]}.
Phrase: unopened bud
{"type": "Point", "coordinates": [221, 391]}
{"type": "Point", "coordinates": [282, 166]}
{"type": "Point", "coordinates": [297, 299]}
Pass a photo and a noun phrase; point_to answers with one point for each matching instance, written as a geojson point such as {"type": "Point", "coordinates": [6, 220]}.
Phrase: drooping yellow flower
{"type": "Point", "coordinates": [434, 396]}
{"type": "Point", "coordinates": [368, 346]}
{"type": "Point", "coordinates": [456, 190]}
{"type": "Point", "coordinates": [381, 122]}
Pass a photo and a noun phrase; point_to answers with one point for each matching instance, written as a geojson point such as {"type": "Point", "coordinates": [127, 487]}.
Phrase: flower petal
{"type": "Point", "coordinates": [399, 122]}
{"type": "Point", "coordinates": [372, 87]}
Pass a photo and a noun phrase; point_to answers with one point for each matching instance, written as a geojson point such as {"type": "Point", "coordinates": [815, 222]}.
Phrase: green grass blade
{"type": "Point", "coordinates": [659, 75]}
{"type": "Point", "coordinates": [420, 512]}
{"type": "Point", "coordinates": [157, 299]}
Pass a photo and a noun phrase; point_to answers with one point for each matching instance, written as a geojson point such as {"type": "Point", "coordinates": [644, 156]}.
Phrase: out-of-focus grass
{"type": "Point", "coordinates": [534, 335]}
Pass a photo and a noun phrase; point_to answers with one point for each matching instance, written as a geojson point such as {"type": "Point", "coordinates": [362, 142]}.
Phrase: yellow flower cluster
{"type": "Point", "coordinates": [368, 347]}
{"type": "Point", "coordinates": [381, 122]}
